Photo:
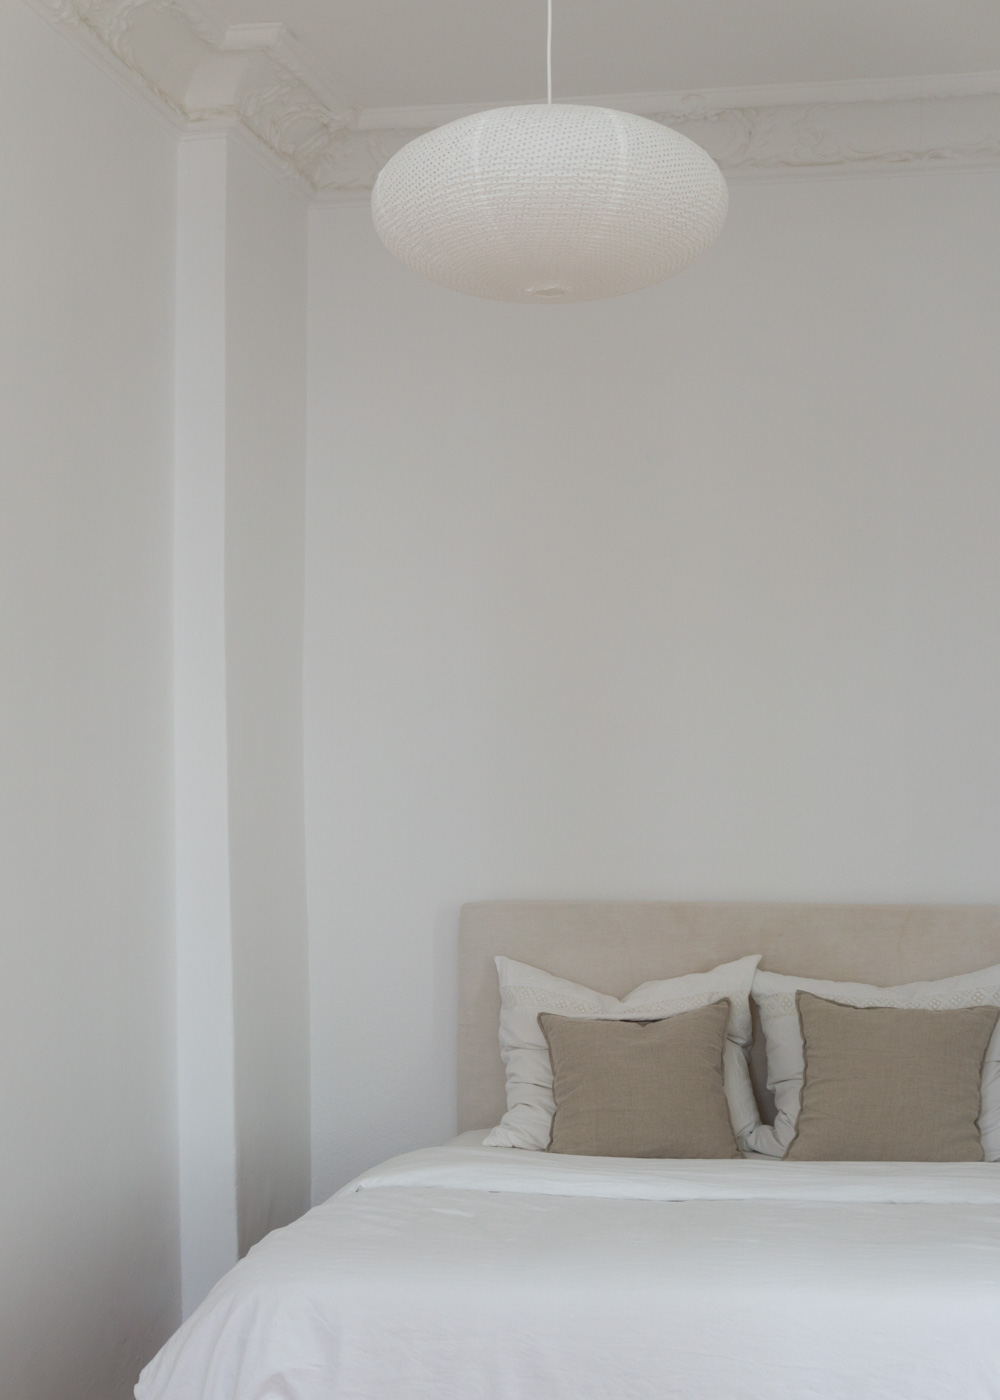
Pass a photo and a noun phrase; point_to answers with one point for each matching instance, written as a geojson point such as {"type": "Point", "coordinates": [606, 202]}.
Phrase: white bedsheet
{"type": "Point", "coordinates": [471, 1273]}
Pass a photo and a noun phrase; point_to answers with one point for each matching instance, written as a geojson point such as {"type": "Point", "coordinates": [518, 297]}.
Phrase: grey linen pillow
{"type": "Point", "coordinates": [640, 1088]}
{"type": "Point", "coordinates": [890, 1084]}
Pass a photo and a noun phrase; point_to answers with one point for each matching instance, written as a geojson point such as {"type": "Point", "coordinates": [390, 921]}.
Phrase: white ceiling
{"type": "Point", "coordinates": [400, 53]}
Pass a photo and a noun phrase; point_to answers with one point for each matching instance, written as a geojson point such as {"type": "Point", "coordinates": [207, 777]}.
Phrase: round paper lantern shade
{"type": "Point", "coordinates": [549, 203]}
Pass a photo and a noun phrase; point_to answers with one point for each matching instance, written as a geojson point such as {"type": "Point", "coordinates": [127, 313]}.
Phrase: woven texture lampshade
{"type": "Point", "coordinates": [549, 203]}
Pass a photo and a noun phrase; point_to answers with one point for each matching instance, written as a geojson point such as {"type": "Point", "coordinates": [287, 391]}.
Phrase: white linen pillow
{"type": "Point", "coordinates": [774, 994]}
{"type": "Point", "coordinates": [525, 991]}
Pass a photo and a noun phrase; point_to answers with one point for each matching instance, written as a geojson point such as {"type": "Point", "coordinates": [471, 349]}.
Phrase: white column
{"type": "Point", "coordinates": [206, 1104]}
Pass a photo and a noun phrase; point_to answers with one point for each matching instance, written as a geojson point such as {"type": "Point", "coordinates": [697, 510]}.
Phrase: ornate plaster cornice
{"type": "Point", "coordinates": [206, 73]}
{"type": "Point", "coordinates": [820, 129]}
{"type": "Point", "coordinates": [823, 137]}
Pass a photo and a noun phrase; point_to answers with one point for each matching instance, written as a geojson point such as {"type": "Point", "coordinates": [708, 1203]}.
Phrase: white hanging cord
{"type": "Point", "coordinates": [549, 53]}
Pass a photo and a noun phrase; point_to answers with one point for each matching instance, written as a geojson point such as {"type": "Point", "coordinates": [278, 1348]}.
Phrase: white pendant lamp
{"type": "Point", "coordinates": [549, 202]}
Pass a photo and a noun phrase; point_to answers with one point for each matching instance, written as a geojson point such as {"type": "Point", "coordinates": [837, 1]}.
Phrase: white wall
{"type": "Point", "coordinates": [88, 1168]}
{"type": "Point", "coordinates": [689, 594]}
{"type": "Point", "coordinates": [151, 593]}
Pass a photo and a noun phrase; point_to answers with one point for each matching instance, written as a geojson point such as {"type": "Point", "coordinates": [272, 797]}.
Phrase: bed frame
{"type": "Point", "coordinates": [612, 947]}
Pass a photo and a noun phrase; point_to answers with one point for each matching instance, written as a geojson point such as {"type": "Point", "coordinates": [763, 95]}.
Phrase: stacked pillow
{"type": "Point", "coordinates": [923, 1058]}
{"type": "Point", "coordinates": [526, 993]}
{"type": "Point", "coordinates": [858, 1072]}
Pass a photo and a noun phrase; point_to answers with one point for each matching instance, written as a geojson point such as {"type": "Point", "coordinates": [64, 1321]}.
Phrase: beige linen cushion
{"type": "Point", "coordinates": [888, 1084]}
{"type": "Point", "coordinates": [641, 1089]}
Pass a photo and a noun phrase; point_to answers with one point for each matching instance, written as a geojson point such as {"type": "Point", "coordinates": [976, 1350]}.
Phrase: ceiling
{"type": "Point", "coordinates": [401, 53]}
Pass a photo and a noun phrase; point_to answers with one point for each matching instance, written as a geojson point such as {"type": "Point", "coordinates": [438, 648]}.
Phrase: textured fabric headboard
{"type": "Point", "coordinates": [615, 946]}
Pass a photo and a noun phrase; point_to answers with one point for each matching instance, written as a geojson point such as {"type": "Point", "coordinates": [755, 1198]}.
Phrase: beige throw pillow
{"type": "Point", "coordinates": [888, 1084]}
{"type": "Point", "coordinates": [640, 1088]}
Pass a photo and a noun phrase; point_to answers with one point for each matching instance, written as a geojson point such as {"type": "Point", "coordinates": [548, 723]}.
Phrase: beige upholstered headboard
{"type": "Point", "coordinates": [615, 946]}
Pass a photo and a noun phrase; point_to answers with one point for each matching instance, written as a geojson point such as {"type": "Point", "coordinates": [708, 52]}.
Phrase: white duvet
{"type": "Point", "coordinates": [472, 1273]}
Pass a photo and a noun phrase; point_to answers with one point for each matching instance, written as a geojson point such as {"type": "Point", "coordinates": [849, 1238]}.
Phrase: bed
{"type": "Point", "coordinates": [472, 1273]}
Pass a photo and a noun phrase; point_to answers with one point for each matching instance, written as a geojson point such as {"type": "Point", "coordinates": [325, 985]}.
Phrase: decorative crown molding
{"type": "Point", "coordinates": [823, 137]}
{"type": "Point", "coordinates": [818, 129]}
{"type": "Point", "coordinates": [207, 73]}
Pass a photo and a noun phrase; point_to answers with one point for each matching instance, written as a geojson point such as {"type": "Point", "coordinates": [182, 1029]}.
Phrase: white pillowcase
{"type": "Point", "coordinates": [525, 991]}
{"type": "Point", "coordinates": [775, 995]}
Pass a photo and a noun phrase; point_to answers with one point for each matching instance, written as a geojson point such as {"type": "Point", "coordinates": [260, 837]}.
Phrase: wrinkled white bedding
{"type": "Point", "coordinates": [471, 1273]}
